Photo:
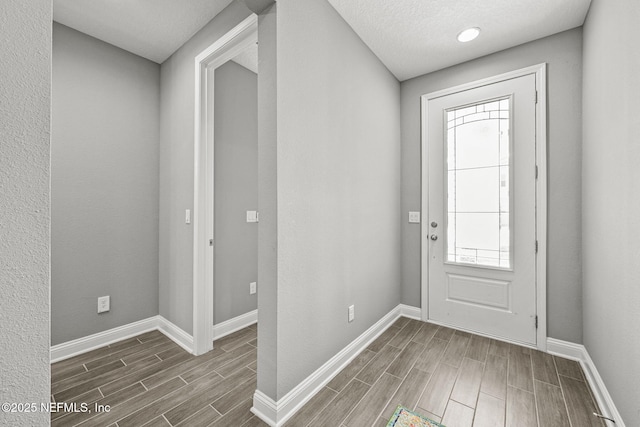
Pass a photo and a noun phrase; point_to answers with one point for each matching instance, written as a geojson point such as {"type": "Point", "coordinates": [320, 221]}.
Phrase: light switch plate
{"type": "Point", "coordinates": [252, 216]}
{"type": "Point", "coordinates": [104, 304]}
{"type": "Point", "coordinates": [187, 216]}
{"type": "Point", "coordinates": [352, 313]}
{"type": "Point", "coordinates": [414, 217]}
{"type": "Point", "coordinates": [252, 288]}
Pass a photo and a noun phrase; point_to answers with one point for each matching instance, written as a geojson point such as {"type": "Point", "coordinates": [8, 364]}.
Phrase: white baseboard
{"type": "Point", "coordinates": [176, 334]}
{"type": "Point", "coordinates": [579, 353]}
{"type": "Point", "coordinates": [277, 413]}
{"type": "Point", "coordinates": [230, 326]}
{"type": "Point", "coordinates": [410, 312]}
{"type": "Point", "coordinates": [82, 345]}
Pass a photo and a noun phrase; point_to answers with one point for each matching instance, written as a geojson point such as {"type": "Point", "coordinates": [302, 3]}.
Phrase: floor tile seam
{"type": "Point", "coordinates": [228, 392]}
{"type": "Point", "coordinates": [317, 414]}
{"type": "Point", "coordinates": [566, 406]}
{"type": "Point", "coordinates": [496, 397]}
{"type": "Point", "coordinates": [232, 372]}
{"type": "Point", "coordinates": [446, 406]}
{"type": "Point", "coordinates": [158, 399]}
{"type": "Point", "coordinates": [185, 422]}
{"type": "Point", "coordinates": [588, 386]}
{"type": "Point", "coordinates": [581, 379]}
{"type": "Point", "coordinates": [313, 418]}
{"type": "Point", "coordinates": [235, 345]}
{"type": "Point", "coordinates": [412, 364]}
{"type": "Point", "coordinates": [531, 370]}
{"type": "Point", "coordinates": [355, 405]}
{"type": "Point", "coordinates": [140, 350]}
{"type": "Point", "coordinates": [564, 397]}
{"type": "Point", "coordinates": [422, 390]}
{"type": "Point", "coordinates": [231, 409]}
{"type": "Point", "coordinates": [66, 377]}
{"type": "Point", "coordinates": [386, 403]}
{"type": "Point", "coordinates": [484, 367]}
{"type": "Point", "coordinates": [147, 390]}
{"type": "Point", "coordinates": [385, 368]}
{"type": "Point", "coordinates": [221, 418]}
{"type": "Point", "coordinates": [83, 382]}
{"type": "Point", "coordinates": [233, 360]}
{"type": "Point", "coordinates": [485, 353]}
{"type": "Point", "coordinates": [408, 341]}
{"type": "Point", "coordinates": [449, 395]}
{"type": "Point", "coordinates": [130, 374]}
{"type": "Point", "coordinates": [547, 382]}
{"type": "Point", "coordinates": [445, 352]}
{"type": "Point", "coordinates": [463, 404]}
{"type": "Point", "coordinates": [535, 401]}
{"type": "Point", "coordinates": [68, 363]}
{"type": "Point", "coordinates": [181, 372]}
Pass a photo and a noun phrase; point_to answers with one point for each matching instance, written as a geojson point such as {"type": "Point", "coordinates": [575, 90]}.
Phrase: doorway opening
{"type": "Point", "coordinates": [241, 38]}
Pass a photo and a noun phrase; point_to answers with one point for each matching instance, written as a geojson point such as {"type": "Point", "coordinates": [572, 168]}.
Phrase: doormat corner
{"type": "Point", "coordinates": [404, 417]}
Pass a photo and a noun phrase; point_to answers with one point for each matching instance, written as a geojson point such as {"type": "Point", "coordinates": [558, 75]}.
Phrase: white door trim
{"type": "Point", "coordinates": [540, 72]}
{"type": "Point", "coordinates": [240, 37]}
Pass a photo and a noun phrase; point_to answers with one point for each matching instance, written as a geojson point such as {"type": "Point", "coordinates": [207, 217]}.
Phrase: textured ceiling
{"type": "Point", "coordinates": [153, 29]}
{"type": "Point", "coordinates": [411, 37]}
{"type": "Point", "coordinates": [414, 37]}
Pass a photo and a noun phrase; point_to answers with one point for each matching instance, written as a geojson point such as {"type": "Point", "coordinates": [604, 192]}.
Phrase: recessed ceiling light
{"type": "Point", "coordinates": [468, 34]}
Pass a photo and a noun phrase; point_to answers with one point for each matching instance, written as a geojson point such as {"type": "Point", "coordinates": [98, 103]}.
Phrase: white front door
{"type": "Point", "coordinates": [481, 219]}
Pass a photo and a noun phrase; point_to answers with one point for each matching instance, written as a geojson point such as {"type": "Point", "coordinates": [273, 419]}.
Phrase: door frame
{"type": "Point", "coordinates": [226, 47]}
{"type": "Point", "coordinates": [540, 73]}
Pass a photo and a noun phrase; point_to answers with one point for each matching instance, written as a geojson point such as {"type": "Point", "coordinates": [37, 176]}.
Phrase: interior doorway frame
{"type": "Point", "coordinates": [226, 47]}
{"type": "Point", "coordinates": [540, 73]}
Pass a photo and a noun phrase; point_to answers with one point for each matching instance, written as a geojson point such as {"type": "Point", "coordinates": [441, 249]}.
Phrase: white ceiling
{"type": "Point", "coordinates": [414, 37]}
{"type": "Point", "coordinates": [411, 37]}
{"type": "Point", "coordinates": [153, 29]}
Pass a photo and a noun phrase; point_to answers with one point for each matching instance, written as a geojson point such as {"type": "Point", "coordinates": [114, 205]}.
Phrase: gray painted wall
{"type": "Point", "coordinates": [104, 185]}
{"type": "Point", "coordinates": [563, 54]}
{"type": "Point", "coordinates": [611, 205]}
{"type": "Point", "coordinates": [338, 189]}
{"type": "Point", "coordinates": [236, 190]}
{"type": "Point", "coordinates": [25, 86]}
{"type": "Point", "coordinates": [268, 202]}
{"type": "Point", "coordinates": [177, 80]}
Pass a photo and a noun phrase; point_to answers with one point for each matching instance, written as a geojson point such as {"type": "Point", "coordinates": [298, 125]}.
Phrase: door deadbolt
{"type": "Point", "coordinates": [434, 224]}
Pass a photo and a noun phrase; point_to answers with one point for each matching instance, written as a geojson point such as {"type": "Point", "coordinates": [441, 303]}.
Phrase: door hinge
{"type": "Point", "coordinates": [536, 246]}
{"type": "Point", "coordinates": [210, 242]}
{"type": "Point", "coordinates": [536, 322]}
{"type": "Point", "coordinates": [536, 101]}
{"type": "Point", "coordinates": [536, 171]}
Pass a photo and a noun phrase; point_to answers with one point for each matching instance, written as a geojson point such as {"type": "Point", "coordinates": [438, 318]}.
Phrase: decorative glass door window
{"type": "Point", "coordinates": [478, 152]}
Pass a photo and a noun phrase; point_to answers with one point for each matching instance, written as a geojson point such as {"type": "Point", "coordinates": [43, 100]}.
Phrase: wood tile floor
{"type": "Point", "coordinates": [455, 378]}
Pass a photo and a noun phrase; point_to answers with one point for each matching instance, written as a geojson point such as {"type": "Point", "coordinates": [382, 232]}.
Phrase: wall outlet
{"type": "Point", "coordinates": [352, 313]}
{"type": "Point", "coordinates": [104, 304]}
{"type": "Point", "coordinates": [414, 217]}
{"type": "Point", "coordinates": [252, 288]}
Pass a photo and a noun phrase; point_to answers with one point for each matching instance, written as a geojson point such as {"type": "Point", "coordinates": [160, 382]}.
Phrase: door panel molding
{"type": "Point", "coordinates": [539, 73]}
